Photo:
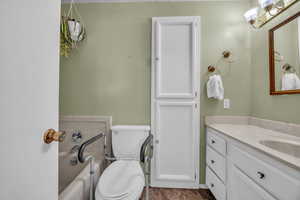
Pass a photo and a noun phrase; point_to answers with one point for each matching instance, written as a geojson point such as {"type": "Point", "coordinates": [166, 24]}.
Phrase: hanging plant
{"type": "Point", "coordinates": [72, 30]}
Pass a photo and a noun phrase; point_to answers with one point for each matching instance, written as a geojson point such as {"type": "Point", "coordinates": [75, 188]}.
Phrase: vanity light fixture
{"type": "Point", "coordinates": [268, 9]}
{"type": "Point", "coordinates": [267, 5]}
{"type": "Point", "coordinates": [251, 15]}
{"type": "Point", "coordinates": [271, 6]}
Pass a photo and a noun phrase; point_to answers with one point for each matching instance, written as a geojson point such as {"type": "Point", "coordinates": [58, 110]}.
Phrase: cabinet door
{"type": "Point", "coordinates": [175, 55]}
{"type": "Point", "coordinates": [175, 157]}
{"type": "Point", "coordinates": [241, 187]}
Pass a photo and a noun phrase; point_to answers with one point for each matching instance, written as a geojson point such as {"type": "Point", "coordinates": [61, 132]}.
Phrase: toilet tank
{"type": "Point", "coordinates": [128, 140]}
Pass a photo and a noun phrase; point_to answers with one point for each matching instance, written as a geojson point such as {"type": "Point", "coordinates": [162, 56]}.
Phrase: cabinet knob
{"type": "Point", "coordinates": [212, 161]}
{"type": "Point", "coordinates": [212, 185]}
{"type": "Point", "coordinates": [261, 175]}
{"type": "Point", "coordinates": [213, 142]}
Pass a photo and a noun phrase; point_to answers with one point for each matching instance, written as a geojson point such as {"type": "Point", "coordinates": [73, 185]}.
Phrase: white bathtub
{"type": "Point", "coordinates": [74, 181]}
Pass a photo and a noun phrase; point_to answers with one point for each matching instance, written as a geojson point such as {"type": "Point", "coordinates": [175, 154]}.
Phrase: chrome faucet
{"type": "Point", "coordinates": [74, 158]}
{"type": "Point", "coordinates": [75, 149]}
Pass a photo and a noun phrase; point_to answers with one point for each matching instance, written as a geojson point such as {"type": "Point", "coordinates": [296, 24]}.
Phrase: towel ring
{"type": "Point", "coordinates": [211, 69]}
{"type": "Point", "coordinates": [225, 55]}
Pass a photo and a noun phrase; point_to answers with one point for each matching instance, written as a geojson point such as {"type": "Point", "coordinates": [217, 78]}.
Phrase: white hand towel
{"type": "Point", "coordinates": [290, 81]}
{"type": "Point", "coordinates": [215, 87]}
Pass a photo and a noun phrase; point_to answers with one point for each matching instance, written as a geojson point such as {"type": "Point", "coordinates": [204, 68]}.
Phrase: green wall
{"type": "Point", "coordinates": [110, 73]}
{"type": "Point", "coordinates": [283, 108]}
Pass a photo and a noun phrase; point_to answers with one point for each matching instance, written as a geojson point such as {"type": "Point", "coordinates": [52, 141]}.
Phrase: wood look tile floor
{"type": "Point", "coordinates": [178, 194]}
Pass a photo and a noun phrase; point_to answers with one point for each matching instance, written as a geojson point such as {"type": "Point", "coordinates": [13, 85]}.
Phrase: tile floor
{"type": "Point", "coordinates": [179, 194]}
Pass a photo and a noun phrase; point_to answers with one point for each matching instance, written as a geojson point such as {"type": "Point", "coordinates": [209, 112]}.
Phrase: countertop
{"type": "Point", "coordinates": [252, 135]}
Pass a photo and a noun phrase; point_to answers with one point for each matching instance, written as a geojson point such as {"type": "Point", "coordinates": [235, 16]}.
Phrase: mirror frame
{"type": "Point", "coordinates": [272, 58]}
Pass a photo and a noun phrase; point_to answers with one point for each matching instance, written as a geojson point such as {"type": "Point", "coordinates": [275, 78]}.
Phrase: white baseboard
{"type": "Point", "coordinates": [203, 186]}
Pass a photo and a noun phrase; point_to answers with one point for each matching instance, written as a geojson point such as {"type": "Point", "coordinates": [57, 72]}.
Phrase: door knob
{"type": "Point", "coordinates": [51, 135]}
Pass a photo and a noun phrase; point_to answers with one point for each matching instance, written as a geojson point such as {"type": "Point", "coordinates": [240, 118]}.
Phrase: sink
{"type": "Point", "coordinates": [291, 148]}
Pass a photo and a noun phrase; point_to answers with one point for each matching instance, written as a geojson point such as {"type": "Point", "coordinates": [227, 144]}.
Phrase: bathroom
{"type": "Point", "coordinates": [241, 141]}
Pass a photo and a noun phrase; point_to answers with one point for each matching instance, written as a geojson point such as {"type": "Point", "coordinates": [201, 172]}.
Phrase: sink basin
{"type": "Point", "coordinates": [290, 148]}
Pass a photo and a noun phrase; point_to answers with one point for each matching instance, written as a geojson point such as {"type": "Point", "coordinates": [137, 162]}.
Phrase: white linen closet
{"type": "Point", "coordinates": [175, 108]}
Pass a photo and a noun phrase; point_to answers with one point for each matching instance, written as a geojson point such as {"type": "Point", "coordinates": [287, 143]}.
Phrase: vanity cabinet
{"type": "Point", "coordinates": [236, 171]}
{"type": "Point", "coordinates": [216, 165]}
{"type": "Point", "coordinates": [241, 187]}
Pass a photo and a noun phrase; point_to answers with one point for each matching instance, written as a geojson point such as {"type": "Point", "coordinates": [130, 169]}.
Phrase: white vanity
{"type": "Point", "coordinates": [248, 162]}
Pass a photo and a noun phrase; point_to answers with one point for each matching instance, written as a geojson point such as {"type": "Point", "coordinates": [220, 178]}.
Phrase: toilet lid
{"type": "Point", "coordinates": [120, 179]}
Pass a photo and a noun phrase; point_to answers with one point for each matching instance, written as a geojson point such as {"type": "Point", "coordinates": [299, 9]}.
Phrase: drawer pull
{"type": "Point", "coordinates": [212, 185]}
{"type": "Point", "coordinates": [261, 175]}
{"type": "Point", "coordinates": [213, 142]}
{"type": "Point", "coordinates": [212, 161]}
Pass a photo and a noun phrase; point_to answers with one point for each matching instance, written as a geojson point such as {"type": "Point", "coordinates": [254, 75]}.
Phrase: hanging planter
{"type": "Point", "coordinates": [72, 30]}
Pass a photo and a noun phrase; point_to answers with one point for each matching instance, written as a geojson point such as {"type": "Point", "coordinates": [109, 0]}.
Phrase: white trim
{"type": "Point", "coordinates": [203, 186]}
{"type": "Point", "coordinates": [84, 118]}
{"type": "Point", "coordinates": [143, 1]}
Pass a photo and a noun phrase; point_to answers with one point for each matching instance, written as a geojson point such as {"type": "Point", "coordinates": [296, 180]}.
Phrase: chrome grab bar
{"type": "Point", "coordinates": [81, 157]}
{"type": "Point", "coordinates": [109, 158]}
{"type": "Point", "coordinates": [148, 141]}
{"type": "Point", "coordinates": [145, 157]}
{"type": "Point", "coordinates": [91, 159]}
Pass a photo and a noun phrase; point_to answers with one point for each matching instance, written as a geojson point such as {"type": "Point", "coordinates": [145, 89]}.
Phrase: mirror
{"type": "Point", "coordinates": [285, 57]}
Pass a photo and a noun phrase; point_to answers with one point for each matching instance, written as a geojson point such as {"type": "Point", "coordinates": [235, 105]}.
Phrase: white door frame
{"type": "Point", "coordinates": [186, 98]}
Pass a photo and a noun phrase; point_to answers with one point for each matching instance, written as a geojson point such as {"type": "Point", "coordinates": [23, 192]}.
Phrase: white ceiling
{"type": "Point", "coordinates": [124, 1]}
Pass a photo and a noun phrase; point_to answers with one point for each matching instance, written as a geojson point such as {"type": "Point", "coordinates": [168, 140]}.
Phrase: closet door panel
{"type": "Point", "coordinates": [175, 57]}
{"type": "Point", "coordinates": [174, 148]}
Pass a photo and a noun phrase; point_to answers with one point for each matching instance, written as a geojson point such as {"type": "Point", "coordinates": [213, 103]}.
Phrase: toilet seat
{"type": "Point", "coordinates": [123, 179]}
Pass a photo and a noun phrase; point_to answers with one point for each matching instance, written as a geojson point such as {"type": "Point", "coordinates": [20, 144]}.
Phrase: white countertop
{"type": "Point", "coordinates": [252, 135]}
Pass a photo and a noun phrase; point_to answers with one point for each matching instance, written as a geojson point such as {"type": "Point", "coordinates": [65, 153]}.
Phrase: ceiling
{"type": "Point", "coordinates": [124, 1]}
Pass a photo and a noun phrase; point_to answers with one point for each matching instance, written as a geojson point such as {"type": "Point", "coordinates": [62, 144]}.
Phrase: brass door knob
{"type": "Point", "coordinates": [51, 135]}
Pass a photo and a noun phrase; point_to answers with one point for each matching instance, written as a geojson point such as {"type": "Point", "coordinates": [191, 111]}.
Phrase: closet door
{"type": "Point", "coordinates": [175, 101]}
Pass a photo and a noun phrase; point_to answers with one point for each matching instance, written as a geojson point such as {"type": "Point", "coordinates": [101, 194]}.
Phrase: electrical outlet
{"type": "Point", "coordinates": [226, 103]}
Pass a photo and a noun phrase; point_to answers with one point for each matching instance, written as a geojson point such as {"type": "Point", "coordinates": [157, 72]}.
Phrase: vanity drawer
{"type": "Point", "coordinates": [216, 162]}
{"type": "Point", "coordinates": [215, 185]}
{"type": "Point", "coordinates": [216, 142]}
{"type": "Point", "coordinates": [278, 183]}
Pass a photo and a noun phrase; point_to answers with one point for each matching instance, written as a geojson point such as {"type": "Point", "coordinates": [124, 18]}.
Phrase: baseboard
{"type": "Point", "coordinates": [203, 186]}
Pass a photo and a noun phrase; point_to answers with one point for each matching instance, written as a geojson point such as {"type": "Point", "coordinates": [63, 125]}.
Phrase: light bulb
{"type": "Point", "coordinates": [251, 15]}
{"type": "Point", "coordinates": [266, 4]}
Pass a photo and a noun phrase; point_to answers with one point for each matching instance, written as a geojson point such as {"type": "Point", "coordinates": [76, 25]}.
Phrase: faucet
{"type": "Point", "coordinates": [74, 149]}
{"type": "Point", "coordinates": [74, 159]}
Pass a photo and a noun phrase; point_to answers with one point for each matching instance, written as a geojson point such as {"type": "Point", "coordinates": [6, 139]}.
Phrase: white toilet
{"type": "Point", "coordinates": [124, 179]}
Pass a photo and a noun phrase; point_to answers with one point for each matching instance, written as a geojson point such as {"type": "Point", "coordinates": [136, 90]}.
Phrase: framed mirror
{"type": "Point", "coordinates": [284, 57]}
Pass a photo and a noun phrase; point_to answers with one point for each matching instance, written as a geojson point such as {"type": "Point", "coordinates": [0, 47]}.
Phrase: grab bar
{"type": "Point", "coordinates": [145, 157]}
{"type": "Point", "coordinates": [148, 141]}
{"type": "Point", "coordinates": [81, 158]}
